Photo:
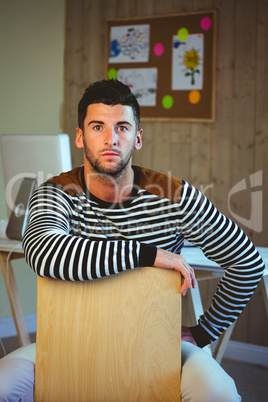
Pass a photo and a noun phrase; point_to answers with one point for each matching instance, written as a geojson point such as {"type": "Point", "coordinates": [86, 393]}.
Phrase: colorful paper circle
{"type": "Point", "coordinates": [194, 97]}
{"type": "Point", "coordinates": [158, 49]}
{"type": "Point", "coordinates": [206, 23]}
{"type": "Point", "coordinates": [167, 101]}
{"type": "Point", "coordinates": [183, 34]}
{"type": "Point", "coordinates": [112, 74]}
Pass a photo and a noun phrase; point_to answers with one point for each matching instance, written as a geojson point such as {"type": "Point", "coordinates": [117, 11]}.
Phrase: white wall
{"type": "Point", "coordinates": [31, 94]}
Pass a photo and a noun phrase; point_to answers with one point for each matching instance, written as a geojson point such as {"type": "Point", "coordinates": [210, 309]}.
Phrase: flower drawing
{"type": "Point", "coordinates": [191, 61]}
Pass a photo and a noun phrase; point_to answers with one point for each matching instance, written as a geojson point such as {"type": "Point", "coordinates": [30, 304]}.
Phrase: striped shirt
{"type": "Point", "coordinates": [72, 235]}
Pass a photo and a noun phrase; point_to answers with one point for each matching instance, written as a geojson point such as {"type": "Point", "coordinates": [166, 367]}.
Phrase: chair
{"type": "Point", "coordinates": [111, 339]}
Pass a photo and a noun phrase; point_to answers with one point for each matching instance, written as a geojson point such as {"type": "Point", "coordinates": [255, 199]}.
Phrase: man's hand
{"type": "Point", "coordinates": [167, 260]}
{"type": "Point", "coordinates": [187, 336]}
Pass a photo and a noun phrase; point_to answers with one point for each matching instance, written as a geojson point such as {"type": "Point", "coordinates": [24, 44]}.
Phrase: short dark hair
{"type": "Point", "coordinates": [109, 92]}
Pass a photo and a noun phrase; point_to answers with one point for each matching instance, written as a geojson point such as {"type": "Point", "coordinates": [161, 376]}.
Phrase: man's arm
{"type": "Point", "coordinates": [53, 251]}
{"type": "Point", "coordinates": [222, 241]}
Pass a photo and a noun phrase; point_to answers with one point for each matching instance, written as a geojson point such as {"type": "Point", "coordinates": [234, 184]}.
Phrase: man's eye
{"type": "Point", "coordinates": [122, 128]}
{"type": "Point", "coordinates": [97, 128]}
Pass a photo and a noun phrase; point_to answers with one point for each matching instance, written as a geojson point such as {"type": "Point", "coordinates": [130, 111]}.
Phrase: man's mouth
{"type": "Point", "coordinates": [110, 153]}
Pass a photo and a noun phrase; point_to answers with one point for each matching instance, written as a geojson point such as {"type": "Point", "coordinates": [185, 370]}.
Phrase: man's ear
{"type": "Point", "coordinates": [138, 144]}
{"type": "Point", "coordinates": [79, 138]}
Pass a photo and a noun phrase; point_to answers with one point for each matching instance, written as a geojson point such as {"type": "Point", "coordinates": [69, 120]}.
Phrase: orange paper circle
{"type": "Point", "coordinates": [194, 97]}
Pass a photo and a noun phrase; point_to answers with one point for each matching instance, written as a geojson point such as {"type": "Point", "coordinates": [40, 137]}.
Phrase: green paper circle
{"type": "Point", "coordinates": [112, 74]}
{"type": "Point", "coordinates": [167, 101]}
{"type": "Point", "coordinates": [183, 34]}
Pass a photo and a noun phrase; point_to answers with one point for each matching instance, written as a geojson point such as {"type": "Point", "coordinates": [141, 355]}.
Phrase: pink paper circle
{"type": "Point", "coordinates": [158, 49]}
{"type": "Point", "coordinates": [206, 23]}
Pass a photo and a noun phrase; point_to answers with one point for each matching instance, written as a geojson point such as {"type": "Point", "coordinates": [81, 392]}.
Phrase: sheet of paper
{"type": "Point", "coordinates": [187, 63]}
{"type": "Point", "coordinates": [142, 82]}
{"type": "Point", "coordinates": [129, 44]}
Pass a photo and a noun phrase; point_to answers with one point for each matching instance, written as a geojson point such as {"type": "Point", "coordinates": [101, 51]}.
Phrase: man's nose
{"type": "Point", "coordinates": [110, 137]}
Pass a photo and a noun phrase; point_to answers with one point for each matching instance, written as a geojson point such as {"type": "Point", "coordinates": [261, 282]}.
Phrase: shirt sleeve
{"type": "Point", "coordinates": [52, 251]}
{"type": "Point", "coordinates": [222, 241]}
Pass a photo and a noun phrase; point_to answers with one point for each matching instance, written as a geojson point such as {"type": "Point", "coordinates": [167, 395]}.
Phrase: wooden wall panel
{"type": "Point", "coordinates": [222, 134]}
{"type": "Point", "coordinates": [243, 118]}
{"type": "Point", "coordinates": [255, 310]}
{"type": "Point", "coordinates": [261, 112]}
{"type": "Point", "coordinates": [213, 156]}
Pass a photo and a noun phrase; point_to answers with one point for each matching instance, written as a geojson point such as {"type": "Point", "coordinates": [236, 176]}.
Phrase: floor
{"type": "Point", "coordinates": [251, 380]}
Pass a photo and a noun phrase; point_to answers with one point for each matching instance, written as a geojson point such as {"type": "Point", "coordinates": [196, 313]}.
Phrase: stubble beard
{"type": "Point", "coordinates": [105, 172]}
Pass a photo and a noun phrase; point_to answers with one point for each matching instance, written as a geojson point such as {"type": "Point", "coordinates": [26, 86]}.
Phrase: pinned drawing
{"type": "Point", "coordinates": [142, 82]}
{"type": "Point", "coordinates": [187, 63]}
{"type": "Point", "coordinates": [129, 44]}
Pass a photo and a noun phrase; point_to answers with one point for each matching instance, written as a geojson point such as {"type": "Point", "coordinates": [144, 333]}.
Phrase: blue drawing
{"type": "Point", "coordinates": [114, 48]}
{"type": "Point", "coordinates": [177, 43]}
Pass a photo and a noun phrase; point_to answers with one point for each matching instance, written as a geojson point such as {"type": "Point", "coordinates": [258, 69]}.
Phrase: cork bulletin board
{"type": "Point", "coordinates": [167, 61]}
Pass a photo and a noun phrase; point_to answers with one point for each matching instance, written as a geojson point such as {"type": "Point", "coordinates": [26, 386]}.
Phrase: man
{"type": "Point", "coordinates": [109, 216]}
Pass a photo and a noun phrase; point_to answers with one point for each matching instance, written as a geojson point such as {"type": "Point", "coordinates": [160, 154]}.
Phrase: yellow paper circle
{"type": "Point", "coordinates": [183, 34]}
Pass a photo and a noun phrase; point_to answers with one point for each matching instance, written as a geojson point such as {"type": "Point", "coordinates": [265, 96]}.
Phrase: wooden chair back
{"type": "Point", "coordinates": [111, 339]}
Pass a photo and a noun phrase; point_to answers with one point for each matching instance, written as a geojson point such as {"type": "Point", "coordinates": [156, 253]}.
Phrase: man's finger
{"type": "Point", "coordinates": [184, 288]}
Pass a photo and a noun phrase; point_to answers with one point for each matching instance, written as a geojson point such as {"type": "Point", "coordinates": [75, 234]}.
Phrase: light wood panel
{"type": "Point", "coordinates": [215, 156]}
{"type": "Point", "coordinates": [221, 167]}
{"type": "Point", "coordinates": [261, 111]}
{"type": "Point", "coordinates": [113, 339]}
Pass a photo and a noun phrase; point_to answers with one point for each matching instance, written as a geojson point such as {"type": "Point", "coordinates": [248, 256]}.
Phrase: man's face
{"type": "Point", "coordinates": [109, 138]}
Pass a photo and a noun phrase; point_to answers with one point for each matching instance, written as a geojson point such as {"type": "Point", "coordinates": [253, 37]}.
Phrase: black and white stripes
{"type": "Point", "coordinates": [75, 236]}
